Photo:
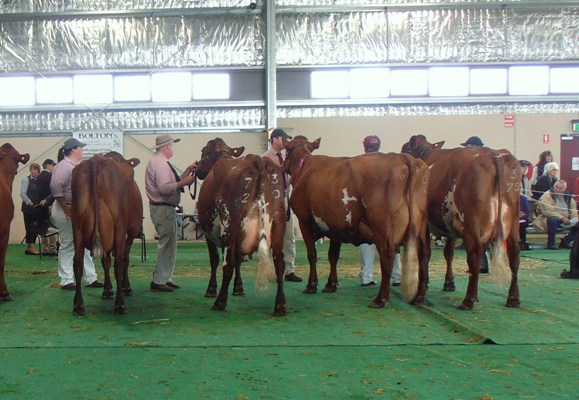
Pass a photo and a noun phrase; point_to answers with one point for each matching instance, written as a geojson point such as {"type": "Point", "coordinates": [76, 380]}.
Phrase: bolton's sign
{"type": "Point", "coordinates": [101, 141]}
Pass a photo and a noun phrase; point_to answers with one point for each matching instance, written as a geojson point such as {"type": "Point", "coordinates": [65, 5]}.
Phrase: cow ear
{"type": "Point", "coordinates": [23, 158]}
{"type": "Point", "coordinates": [316, 143]}
{"type": "Point", "coordinates": [438, 145]}
{"type": "Point", "coordinates": [134, 162]}
{"type": "Point", "coordinates": [412, 142]}
{"type": "Point", "coordinates": [238, 151]}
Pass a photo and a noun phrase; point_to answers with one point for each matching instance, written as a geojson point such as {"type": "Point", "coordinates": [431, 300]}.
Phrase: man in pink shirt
{"type": "Point", "coordinates": [164, 187]}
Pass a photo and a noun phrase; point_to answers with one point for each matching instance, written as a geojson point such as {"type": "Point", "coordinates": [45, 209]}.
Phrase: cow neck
{"type": "Point", "coordinates": [300, 168]}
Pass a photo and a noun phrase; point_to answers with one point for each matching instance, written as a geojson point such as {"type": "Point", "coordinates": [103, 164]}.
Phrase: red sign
{"type": "Point", "coordinates": [546, 138]}
{"type": "Point", "coordinates": [509, 120]}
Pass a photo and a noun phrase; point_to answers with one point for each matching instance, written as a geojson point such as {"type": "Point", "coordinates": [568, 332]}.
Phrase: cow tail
{"type": "Point", "coordinates": [410, 265]}
{"type": "Point", "coordinates": [97, 249]}
{"type": "Point", "coordinates": [265, 272]}
{"type": "Point", "coordinates": [500, 271]}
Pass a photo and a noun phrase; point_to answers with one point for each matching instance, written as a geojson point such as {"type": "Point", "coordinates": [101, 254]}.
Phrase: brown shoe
{"type": "Point", "coordinates": [96, 284]}
{"type": "Point", "coordinates": [160, 288]}
{"type": "Point", "coordinates": [293, 277]}
{"type": "Point", "coordinates": [69, 286]}
{"type": "Point", "coordinates": [173, 285]}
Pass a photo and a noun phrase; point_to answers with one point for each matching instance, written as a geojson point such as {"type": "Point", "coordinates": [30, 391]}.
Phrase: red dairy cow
{"type": "Point", "coordinates": [241, 210]}
{"type": "Point", "coordinates": [9, 159]}
{"type": "Point", "coordinates": [473, 193]}
{"type": "Point", "coordinates": [107, 215]}
{"type": "Point", "coordinates": [373, 198]}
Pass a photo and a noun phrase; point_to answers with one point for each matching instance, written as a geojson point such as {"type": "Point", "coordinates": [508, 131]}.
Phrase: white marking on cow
{"type": "Point", "coordinates": [321, 224]}
{"type": "Point", "coordinates": [349, 217]}
{"type": "Point", "coordinates": [450, 210]}
{"type": "Point", "coordinates": [347, 199]}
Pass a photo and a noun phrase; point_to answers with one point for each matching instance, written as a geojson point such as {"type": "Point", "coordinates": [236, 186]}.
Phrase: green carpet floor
{"type": "Point", "coordinates": [171, 345]}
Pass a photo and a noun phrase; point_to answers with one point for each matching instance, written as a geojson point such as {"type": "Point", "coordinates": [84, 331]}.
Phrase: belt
{"type": "Point", "coordinates": [161, 204]}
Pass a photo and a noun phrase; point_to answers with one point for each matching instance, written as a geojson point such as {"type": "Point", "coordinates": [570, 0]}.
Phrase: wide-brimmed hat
{"type": "Point", "coordinates": [48, 161]}
{"type": "Point", "coordinates": [473, 141]}
{"type": "Point", "coordinates": [277, 132]}
{"type": "Point", "coordinates": [163, 140]}
{"type": "Point", "coordinates": [71, 143]}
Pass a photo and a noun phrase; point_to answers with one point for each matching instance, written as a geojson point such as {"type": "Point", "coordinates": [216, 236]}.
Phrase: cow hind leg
{"type": "Point", "coordinates": [231, 261]}
{"type": "Point", "coordinates": [108, 292]}
{"type": "Point", "coordinates": [238, 282]}
{"type": "Point", "coordinates": [514, 259]}
{"type": "Point", "coordinates": [474, 252]}
{"type": "Point", "coordinates": [127, 290]}
{"type": "Point", "coordinates": [333, 256]}
{"type": "Point", "coordinates": [386, 252]}
{"type": "Point", "coordinates": [213, 262]}
{"type": "Point", "coordinates": [78, 267]}
{"type": "Point", "coordinates": [309, 241]}
{"type": "Point", "coordinates": [449, 256]}
{"type": "Point", "coordinates": [120, 306]}
{"type": "Point", "coordinates": [424, 259]}
{"type": "Point", "coordinates": [4, 295]}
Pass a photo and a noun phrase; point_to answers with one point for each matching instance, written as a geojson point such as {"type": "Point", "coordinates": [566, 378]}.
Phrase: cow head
{"type": "Point", "coordinates": [417, 146]}
{"type": "Point", "coordinates": [297, 150]}
{"type": "Point", "coordinates": [8, 152]}
{"type": "Point", "coordinates": [214, 150]}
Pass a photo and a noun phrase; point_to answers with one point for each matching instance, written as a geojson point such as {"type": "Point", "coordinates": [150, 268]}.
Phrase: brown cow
{"type": "Point", "coordinates": [9, 159]}
{"type": "Point", "coordinates": [473, 193]}
{"type": "Point", "coordinates": [241, 209]}
{"type": "Point", "coordinates": [107, 215]}
{"type": "Point", "coordinates": [373, 198]}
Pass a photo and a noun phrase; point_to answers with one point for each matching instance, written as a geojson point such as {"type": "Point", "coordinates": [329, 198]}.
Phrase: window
{"type": "Point", "coordinates": [210, 86]}
{"type": "Point", "coordinates": [409, 82]}
{"type": "Point", "coordinates": [93, 89]}
{"type": "Point", "coordinates": [448, 81]}
{"type": "Point", "coordinates": [369, 82]}
{"type": "Point", "coordinates": [132, 88]}
{"type": "Point", "coordinates": [54, 90]}
{"type": "Point", "coordinates": [17, 91]}
{"type": "Point", "coordinates": [329, 84]}
{"type": "Point", "coordinates": [171, 86]}
{"type": "Point", "coordinates": [564, 80]}
{"type": "Point", "coordinates": [488, 81]}
{"type": "Point", "coordinates": [528, 80]}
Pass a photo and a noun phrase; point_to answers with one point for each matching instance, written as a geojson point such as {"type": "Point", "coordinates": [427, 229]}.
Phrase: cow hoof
{"type": "Point", "coordinates": [211, 292]}
{"type": "Point", "coordinates": [128, 291]}
{"type": "Point", "coordinates": [377, 304]}
{"type": "Point", "coordinates": [108, 294]}
{"type": "Point", "coordinates": [122, 310]}
{"type": "Point", "coordinates": [330, 289]}
{"type": "Point", "coordinates": [466, 306]}
{"type": "Point", "coordinates": [238, 291]}
{"type": "Point", "coordinates": [513, 302]}
{"type": "Point", "coordinates": [5, 297]}
{"type": "Point", "coordinates": [79, 311]}
{"type": "Point", "coordinates": [419, 300]}
{"type": "Point", "coordinates": [219, 306]}
{"type": "Point", "coordinates": [310, 289]}
{"type": "Point", "coordinates": [449, 287]}
{"type": "Point", "coordinates": [280, 311]}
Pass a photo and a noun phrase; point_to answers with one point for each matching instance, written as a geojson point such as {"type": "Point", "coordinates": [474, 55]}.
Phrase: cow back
{"type": "Point", "coordinates": [105, 194]}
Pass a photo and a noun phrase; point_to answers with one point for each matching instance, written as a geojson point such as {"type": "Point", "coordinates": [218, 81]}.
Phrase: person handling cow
{"type": "Point", "coordinates": [164, 187]}
{"type": "Point", "coordinates": [277, 153]}
{"type": "Point", "coordinates": [70, 155]}
{"type": "Point", "coordinates": [30, 200]}
{"type": "Point", "coordinates": [368, 251]}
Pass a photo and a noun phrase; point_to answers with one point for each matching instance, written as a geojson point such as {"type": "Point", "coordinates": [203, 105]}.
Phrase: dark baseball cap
{"type": "Point", "coordinates": [48, 161]}
{"type": "Point", "coordinates": [71, 143]}
{"type": "Point", "coordinates": [473, 141]}
{"type": "Point", "coordinates": [372, 141]}
{"type": "Point", "coordinates": [279, 132]}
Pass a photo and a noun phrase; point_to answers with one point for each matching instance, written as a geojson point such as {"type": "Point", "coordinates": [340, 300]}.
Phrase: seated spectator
{"type": "Point", "coordinates": [546, 181]}
{"type": "Point", "coordinates": [556, 209]}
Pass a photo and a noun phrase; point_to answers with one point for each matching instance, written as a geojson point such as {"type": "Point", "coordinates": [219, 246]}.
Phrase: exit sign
{"type": "Point", "coordinates": [575, 125]}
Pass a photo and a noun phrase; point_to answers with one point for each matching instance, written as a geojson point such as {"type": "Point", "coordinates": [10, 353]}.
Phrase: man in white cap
{"type": "Point", "coordinates": [277, 153]}
{"type": "Point", "coordinates": [61, 188]}
{"type": "Point", "coordinates": [368, 251]}
{"type": "Point", "coordinates": [164, 187]}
